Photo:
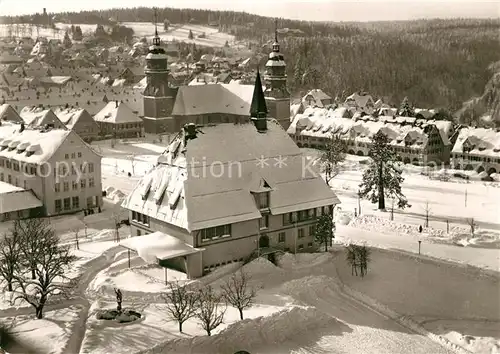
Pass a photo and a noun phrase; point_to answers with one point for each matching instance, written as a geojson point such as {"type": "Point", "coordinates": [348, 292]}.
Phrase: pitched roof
{"type": "Point", "coordinates": [217, 98]}
{"type": "Point", "coordinates": [15, 143]}
{"type": "Point", "coordinates": [482, 141]}
{"type": "Point", "coordinates": [14, 198]}
{"type": "Point", "coordinates": [117, 112]}
{"type": "Point", "coordinates": [38, 117]}
{"type": "Point", "coordinates": [9, 113]}
{"type": "Point", "coordinates": [70, 116]}
{"type": "Point", "coordinates": [209, 184]}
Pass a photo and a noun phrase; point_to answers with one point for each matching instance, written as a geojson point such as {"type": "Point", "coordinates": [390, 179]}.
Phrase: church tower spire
{"type": "Point", "coordinates": [276, 93]}
{"type": "Point", "coordinates": [258, 107]}
{"type": "Point", "coordinates": [158, 97]}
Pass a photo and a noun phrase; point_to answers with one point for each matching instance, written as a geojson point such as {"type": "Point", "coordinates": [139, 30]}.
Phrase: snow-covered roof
{"type": "Point", "coordinates": [360, 100]}
{"type": "Point", "coordinates": [117, 112]}
{"type": "Point", "coordinates": [32, 145]}
{"type": "Point", "coordinates": [37, 117]}
{"type": "Point", "coordinates": [70, 116]}
{"type": "Point", "coordinates": [317, 96]}
{"type": "Point", "coordinates": [322, 123]}
{"type": "Point", "coordinates": [14, 198]}
{"type": "Point", "coordinates": [480, 141]}
{"type": "Point", "coordinates": [158, 246]}
{"type": "Point", "coordinates": [182, 191]}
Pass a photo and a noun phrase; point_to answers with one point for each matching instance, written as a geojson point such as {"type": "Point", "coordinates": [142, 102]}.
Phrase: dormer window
{"type": "Point", "coordinates": [262, 199]}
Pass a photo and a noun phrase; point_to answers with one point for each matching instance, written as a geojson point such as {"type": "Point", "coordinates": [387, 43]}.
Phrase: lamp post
{"type": "Point", "coordinates": [419, 243]}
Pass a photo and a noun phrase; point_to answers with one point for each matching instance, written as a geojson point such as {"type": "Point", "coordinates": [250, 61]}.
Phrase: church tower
{"type": "Point", "coordinates": [158, 96]}
{"type": "Point", "coordinates": [276, 93]}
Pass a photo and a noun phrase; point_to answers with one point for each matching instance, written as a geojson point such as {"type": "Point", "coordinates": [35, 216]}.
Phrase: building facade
{"type": "Point", "coordinates": [207, 192]}
{"type": "Point", "coordinates": [61, 170]}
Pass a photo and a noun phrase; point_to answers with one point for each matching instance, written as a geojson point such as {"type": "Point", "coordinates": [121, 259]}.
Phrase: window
{"type": "Point", "coordinates": [57, 187]}
{"type": "Point", "coordinates": [310, 244]}
{"type": "Point", "coordinates": [312, 230]}
{"type": "Point", "coordinates": [73, 170]}
{"type": "Point", "coordinates": [67, 204]}
{"type": "Point", "coordinates": [74, 185]}
{"type": "Point", "coordinates": [91, 168]}
{"type": "Point", "coordinates": [58, 205]}
{"type": "Point", "coordinates": [66, 156]}
{"type": "Point", "coordinates": [216, 232]}
{"type": "Point", "coordinates": [66, 186]}
{"type": "Point", "coordinates": [25, 185]}
{"type": "Point", "coordinates": [264, 222]}
{"type": "Point", "coordinates": [76, 202]}
{"type": "Point", "coordinates": [79, 154]}
{"type": "Point", "coordinates": [9, 179]}
{"type": "Point", "coordinates": [1, 177]}
{"type": "Point", "coordinates": [7, 164]}
{"type": "Point", "coordinates": [2, 162]}
{"type": "Point", "coordinates": [287, 218]}
{"type": "Point", "coordinates": [73, 155]}
{"type": "Point", "coordinates": [83, 183]}
{"type": "Point", "coordinates": [134, 215]}
{"type": "Point", "coordinates": [301, 247]}
{"type": "Point", "coordinates": [281, 237]}
{"type": "Point", "coordinates": [91, 182]}
{"type": "Point", "coordinates": [15, 166]}
{"type": "Point", "coordinates": [300, 233]}
{"type": "Point", "coordinates": [17, 182]}
{"type": "Point", "coordinates": [90, 202]}
{"type": "Point", "coordinates": [262, 200]}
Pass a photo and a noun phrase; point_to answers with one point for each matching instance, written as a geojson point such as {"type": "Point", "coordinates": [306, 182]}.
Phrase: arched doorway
{"type": "Point", "coordinates": [480, 169]}
{"type": "Point", "coordinates": [469, 168]}
{"type": "Point", "coordinates": [416, 162]}
{"type": "Point", "coordinates": [407, 160]}
{"type": "Point", "coordinates": [299, 145]}
{"type": "Point", "coordinates": [399, 158]}
{"type": "Point", "coordinates": [351, 152]}
{"type": "Point", "coordinates": [491, 170]}
{"type": "Point", "coordinates": [360, 153]}
{"type": "Point", "coordinates": [264, 241]}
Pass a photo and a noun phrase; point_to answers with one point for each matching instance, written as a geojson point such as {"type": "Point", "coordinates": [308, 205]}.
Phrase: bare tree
{"type": "Point", "coordinates": [358, 257]}
{"type": "Point", "coordinates": [10, 255]}
{"type": "Point", "coordinates": [237, 292]}
{"type": "Point", "coordinates": [427, 211]}
{"type": "Point", "coordinates": [76, 231]}
{"type": "Point", "coordinates": [472, 225]}
{"type": "Point", "coordinates": [181, 303]}
{"type": "Point", "coordinates": [117, 221]}
{"type": "Point", "coordinates": [51, 262]}
{"type": "Point", "coordinates": [32, 232]}
{"type": "Point", "coordinates": [133, 162]}
{"type": "Point", "coordinates": [210, 311]}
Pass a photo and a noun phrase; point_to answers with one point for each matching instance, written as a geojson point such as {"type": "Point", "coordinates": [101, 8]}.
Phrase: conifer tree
{"type": "Point", "coordinates": [323, 232]}
{"type": "Point", "coordinates": [67, 41]}
{"type": "Point", "coordinates": [190, 36]}
{"type": "Point", "coordinates": [406, 110]}
{"type": "Point", "coordinates": [382, 177]}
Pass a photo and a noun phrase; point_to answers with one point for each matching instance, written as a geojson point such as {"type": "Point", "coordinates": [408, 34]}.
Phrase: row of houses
{"type": "Point", "coordinates": [115, 119]}
{"type": "Point", "coordinates": [424, 142]}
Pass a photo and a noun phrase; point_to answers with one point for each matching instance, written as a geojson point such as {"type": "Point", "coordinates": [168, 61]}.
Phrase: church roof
{"type": "Point", "coordinates": [258, 107]}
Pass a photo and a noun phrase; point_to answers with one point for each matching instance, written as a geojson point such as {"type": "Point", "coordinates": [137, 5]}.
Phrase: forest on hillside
{"type": "Point", "coordinates": [436, 63]}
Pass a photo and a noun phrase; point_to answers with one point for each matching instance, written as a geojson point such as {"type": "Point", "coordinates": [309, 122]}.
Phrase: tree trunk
{"type": "Point", "coordinates": [326, 245]}
{"type": "Point", "coordinates": [39, 312]}
{"type": "Point", "coordinates": [180, 326]}
{"type": "Point", "coordinates": [381, 197]}
{"type": "Point", "coordinates": [33, 275]}
{"type": "Point", "coordinates": [209, 333]}
{"type": "Point", "coordinates": [9, 285]}
{"type": "Point", "coordinates": [241, 313]}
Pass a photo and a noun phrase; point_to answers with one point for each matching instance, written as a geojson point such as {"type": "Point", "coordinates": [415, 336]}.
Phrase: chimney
{"type": "Point", "coordinates": [189, 132]}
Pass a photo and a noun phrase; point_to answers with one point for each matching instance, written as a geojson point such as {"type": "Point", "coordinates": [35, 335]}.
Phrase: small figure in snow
{"type": "Point", "coordinates": [420, 229]}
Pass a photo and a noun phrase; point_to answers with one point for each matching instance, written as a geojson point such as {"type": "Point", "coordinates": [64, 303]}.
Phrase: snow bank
{"type": "Point", "coordinates": [319, 287]}
{"type": "Point", "coordinates": [301, 260]}
{"type": "Point", "coordinates": [275, 331]}
{"type": "Point", "coordinates": [260, 266]}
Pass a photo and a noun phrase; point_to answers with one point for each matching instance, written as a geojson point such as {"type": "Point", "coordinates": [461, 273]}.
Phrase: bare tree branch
{"type": "Point", "coordinates": [237, 293]}
{"type": "Point", "coordinates": [210, 311]}
{"type": "Point", "coordinates": [10, 256]}
{"type": "Point", "coordinates": [427, 211]}
{"type": "Point", "coordinates": [181, 303]}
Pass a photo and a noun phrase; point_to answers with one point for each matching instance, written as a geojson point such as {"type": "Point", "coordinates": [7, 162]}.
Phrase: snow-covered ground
{"type": "Point", "coordinates": [180, 33]}
{"type": "Point", "coordinates": [50, 334]}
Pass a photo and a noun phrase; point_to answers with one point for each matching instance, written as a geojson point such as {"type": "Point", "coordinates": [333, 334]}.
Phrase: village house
{"type": "Point", "coordinates": [477, 149]}
{"type": "Point", "coordinates": [117, 120]}
{"type": "Point", "coordinates": [220, 203]}
{"type": "Point", "coordinates": [7, 113]}
{"type": "Point", "coordinates": [80, 121]}
{"type": "Point", "coordinates": [361, 102]}
{"type": "Point", "coordinates": [131, 75]}
{"type": "Point", "coordinates": [41, 117]}
{"type": "Point", "coordinates": [418, 143]}
{"type": "Point", "coordinates": [61, 170]}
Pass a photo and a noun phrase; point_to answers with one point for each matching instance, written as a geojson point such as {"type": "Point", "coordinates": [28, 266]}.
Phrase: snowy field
{"type": "Point", "coordinates": [180, 33]}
